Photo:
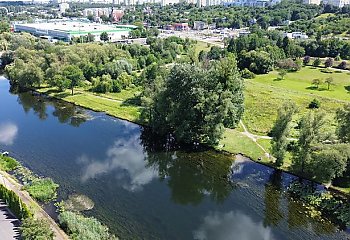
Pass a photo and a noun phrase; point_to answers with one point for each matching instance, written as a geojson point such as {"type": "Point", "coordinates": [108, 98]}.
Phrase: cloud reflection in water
{"type": "Point", "coordinates": [8, 133]}
{"type": "Point", "coordinates": [127, 159]}
{"type": "Point", "coordinates": [231, 226]}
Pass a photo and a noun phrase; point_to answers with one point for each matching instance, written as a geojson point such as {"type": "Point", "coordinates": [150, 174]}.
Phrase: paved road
{"type": "Point", "coordinates": [8, 224]}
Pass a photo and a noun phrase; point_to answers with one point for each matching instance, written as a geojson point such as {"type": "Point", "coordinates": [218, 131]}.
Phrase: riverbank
{"type": "Point", "coordinates": [12, 184]}
{"type": "Point", "coordinates": [235, 141]}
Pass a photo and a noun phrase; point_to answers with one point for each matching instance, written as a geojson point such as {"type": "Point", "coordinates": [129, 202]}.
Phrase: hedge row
{"type": "Point", "coordinates": [14, 202]}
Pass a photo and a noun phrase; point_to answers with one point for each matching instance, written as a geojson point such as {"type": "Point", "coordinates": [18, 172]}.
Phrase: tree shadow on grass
{"type": "Point", "coordinates": [277, 79]}
{"type": "Point", "coordinates": [347, 88]}
{"type": "Point", "coordinates": [52, 91]}
{"type": "Point", "coordinates": [133, 101]}
{"type": "Point", "coordinates": [65, 94]}
{"type": "Point", "coordinates": [316, 88]}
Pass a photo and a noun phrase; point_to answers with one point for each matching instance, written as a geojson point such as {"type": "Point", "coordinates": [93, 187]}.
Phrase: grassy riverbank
{"type": "Point", "coordinates": [263, 96]}
{"type": "Point", "coordinates": [12, 184]}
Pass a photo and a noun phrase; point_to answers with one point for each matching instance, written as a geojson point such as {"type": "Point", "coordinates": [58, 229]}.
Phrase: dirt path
{"type": "Point", "coordinates": [255, 138]}
{"type": "Point", "coordinates": [11, 184]}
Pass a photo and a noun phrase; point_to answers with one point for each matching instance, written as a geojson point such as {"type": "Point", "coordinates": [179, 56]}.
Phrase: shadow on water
{"type": "Point", "coordinates": [193, 172]}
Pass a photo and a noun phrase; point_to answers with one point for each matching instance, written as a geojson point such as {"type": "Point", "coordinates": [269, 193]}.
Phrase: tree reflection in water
{"type": "Point", "coordinates": [273, 191]}
{"type": "Point", "coordinates": [192, 172]}
{"type": "Point", "coordinates": [65, 112]}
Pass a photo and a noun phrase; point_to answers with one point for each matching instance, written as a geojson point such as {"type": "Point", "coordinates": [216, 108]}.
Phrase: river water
{"type": "Point", "coordinates": [142, 192]}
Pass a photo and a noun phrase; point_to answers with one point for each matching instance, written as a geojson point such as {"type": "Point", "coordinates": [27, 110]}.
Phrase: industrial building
{"type": "Point", "coordinates": [66, 30]}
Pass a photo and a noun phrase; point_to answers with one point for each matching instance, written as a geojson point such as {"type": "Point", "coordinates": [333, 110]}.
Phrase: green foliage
{"type": "Point", "coordinates": [343, 118]}
{"type": "Point", "coordinates": [312, 132]}
{"type": "Point", "coordinates": [14, 202]}
{"type": "Point", "coordinates": [8, 163]}
{"type": "Point", "coordinates": [282, 73]}
{"type": "Point", "coordinates": [207, 101]}
{"type": "Point", "coordinates": [316, 82]}
{"type": "Point", "coordinates": [34, 229]}
{"type": "Point", "coordinates": [247, 74]}
{"type": "Point", "coordinates": [334, 207]}
{"type": "Point", "coordinates": [314, 104]}
{"type": "Point", "coordinates": [317, 62]}
{"type": "Point", "coordinates": [42, 189]}
{"type": "Point", "coordinates": [280, 131]}
{"type": "Point", "coordinates": [4, 27]}
{"type": "Point", "coordinates": [329, 162]}
{"type": "Point", "coordinates": [79, 227]}
{"type": "Point", "coordinates": [104, 37]}
{"type": "Point", "coordinates": [74, 76]}
{"type": "Point", "coordinates": [329, 81]}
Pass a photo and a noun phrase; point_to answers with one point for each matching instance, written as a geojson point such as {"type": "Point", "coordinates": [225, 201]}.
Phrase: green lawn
{"type": "Point", "coordinates": [235, 142]}
{"type": "Point", "coordinates": [265, 93]}
{"type": "Point", "coordinates": [114, 104]}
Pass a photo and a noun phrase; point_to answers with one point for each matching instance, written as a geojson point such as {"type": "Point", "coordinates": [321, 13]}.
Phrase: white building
{"type": "Point", "coordinates": [67, 30]}
{"type": "Point", "coordinates": [316, 2]}
{"type": "Point", "coordinates": [296, 35]}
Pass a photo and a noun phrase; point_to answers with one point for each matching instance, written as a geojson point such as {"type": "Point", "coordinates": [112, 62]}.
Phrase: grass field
{"type": "Point", "coordinates": [265, 93]}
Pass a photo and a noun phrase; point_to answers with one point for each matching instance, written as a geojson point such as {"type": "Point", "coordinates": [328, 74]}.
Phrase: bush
{"type": "Point", "coordinates": [247, 74]}
{"type": "Point", "coordinates": [342, 65]}
{"type": "Point", "coordinates": [306, 60]}
{"type": "Point", "coordinates": [317, 62]}
{"type": "Point", "coordinates": [8, 163]}
{"type": "Point", "coordinates": [42, 189]}
{"type": "Point", "coordinates": [34, 229]}
{"type": "Point", "coordinates": [80, 227]}
{"type": "Point", "coordinates": [314, 104]}
{"type": "Point", "coordinates": [328, 63]}
{"type": "Point", "coordinates": [289, 65]}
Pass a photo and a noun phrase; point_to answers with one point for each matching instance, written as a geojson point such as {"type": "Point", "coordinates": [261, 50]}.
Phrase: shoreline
{"type": "Point", "coordinates": [12, 184]}
{"type": "Point", "coordinates": [330, 188]}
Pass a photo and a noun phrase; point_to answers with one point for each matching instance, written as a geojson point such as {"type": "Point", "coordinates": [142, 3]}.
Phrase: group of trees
{"type": "Point", "coordinates": [194, 103]}
{"type": "Point", "coordinates": [318, 152]}
{"type": "Point", "coordinates": [223, 16]}
{"type": "Point", "coordinates": [31, 62]}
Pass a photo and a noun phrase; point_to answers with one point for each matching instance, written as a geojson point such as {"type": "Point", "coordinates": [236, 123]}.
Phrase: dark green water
{"type": "Point", "coordinates": [141, 193]}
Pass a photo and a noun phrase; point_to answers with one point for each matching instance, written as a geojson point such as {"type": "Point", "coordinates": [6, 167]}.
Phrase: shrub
{"type": "Point", "coordinates": [247, 74]}
{"type": "Point", "coordinates": [306, 60]}
{"type": "Point", "coordinates": [342, 65]}
{"type": "Point", "coordinates": [314, 104]}
{"type": "Point", "coordinates": [42, 189]}
{"type": "Point", "coordinates": [328, 63]}
{"type": "Point", "coordinates": [34, 229]}
{"type": "Point", "coordinates": [8, 163]}
{"type": "Point", "coordinates": [317, 62]}
{"type": "Point", "coordinates": [289, 65]}
{"type": "Point", "coordinates": [80, 227]}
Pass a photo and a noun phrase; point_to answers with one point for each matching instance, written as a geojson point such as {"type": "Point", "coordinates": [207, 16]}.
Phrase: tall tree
{"type": "Point", "coordinates": [104, 37]}
{"type": "Point", "coordinates": [280, 131]}
{"type": "Point", "coordinates": [197, 104]}
{"type": "Point", "coordinates": [74, 75]}
{"type": "Point", "coordinates": [311, 133]}
{"type": "Point", "coordinates": [343, 118]}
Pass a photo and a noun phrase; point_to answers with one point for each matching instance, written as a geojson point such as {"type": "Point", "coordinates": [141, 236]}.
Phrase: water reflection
{"type": "Point", "coordinates": [231, 226]}
{"type": "Point", "coordinates": [273, 191]}
{"type": "Point", "coordinates": [127, 159]}
{"type": "Point", "coordinates": [8, 133]}
{"type": "Point", "coordinates": [64, 112]}
{"type": "Point", "coordinates": [192, 175]}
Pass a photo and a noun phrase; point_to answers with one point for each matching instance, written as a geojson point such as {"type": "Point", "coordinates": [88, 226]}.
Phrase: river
{"type": "Point", "coordinates": [142, 192]}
